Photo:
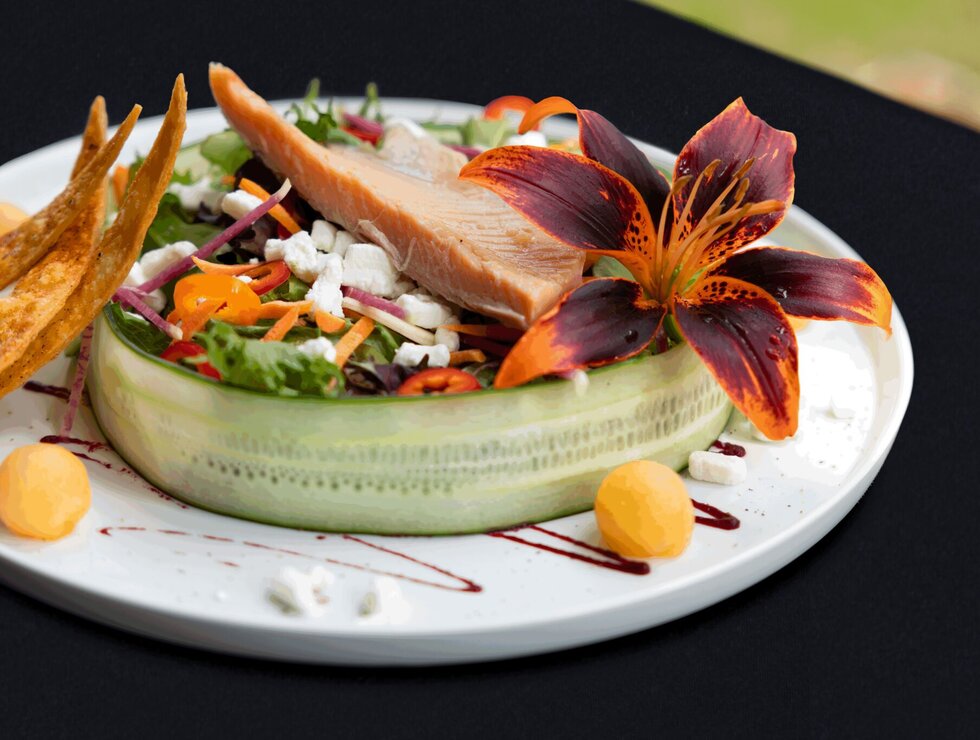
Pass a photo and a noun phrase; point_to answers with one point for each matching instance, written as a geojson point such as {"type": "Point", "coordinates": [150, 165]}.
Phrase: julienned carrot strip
{"type": "Point", "coordinates": [353, 339]}
{"type": "Point", "coordinates": [283, 325]}
{"type": "Point", "coordinates": [196, 320]}
{"type": "Point", "coordinates": [279, 213]}
{"type": "Point", "coordinates": [120, 178]}
{"type": "Point", "coordinates": [278, 309]}
{"type": "Point", "coordinates": [328, 323]}
{"type": "Point", "coordinates": [215, 268]}
{"type": "Point", "coordinates": [467, 355]}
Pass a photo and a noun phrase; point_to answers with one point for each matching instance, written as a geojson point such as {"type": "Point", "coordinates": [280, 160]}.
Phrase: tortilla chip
{"type": "Point", "coordinates": [25, 245]}
{"type": "Point", "coordinates": [41, 293]}
{"type": "Point", "coordinates": [118, 249]}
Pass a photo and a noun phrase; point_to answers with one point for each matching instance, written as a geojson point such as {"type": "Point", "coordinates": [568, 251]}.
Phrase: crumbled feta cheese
{"type": "Point", "coordinates": [331, 268]}
{"type": "Point", "coordinates": [298, 253]}
{"type": "Point", "coordinates": [446, 337]}
{"type": "Point", "coordinates": [402, 286]}
{"type": "Point", "coordinates": [844, 404]}
{"type": "Point", "coordinates": [193, 195]}
{"type": "Point", "coordinates": [157, 260]}
{"type": "Point", "coordinates": [410, 355]}
{"type": "Point", "coordinates": [385, 603]}
{"type": "Point", "coordinates": [326, 297]}
{"type": "Point", "coordinates": [713, 467]}
{"type": "Point", "coordinates": [299, 592]}
{"type": "Point", "coordinates": [243, 278]}
{"type": "Point", "coordinates": [424, 310]}
{"type": "Point", "coordinates": [319, 347]}
{"type": "Point", "coordinates": [531, 138]}
{"type": "Point", "coordinates": [324, 234]}
{"type": "Point", "coordinates": [368, 267]}
{"type": "Point", "coordinates": [239, 203]}
{"type": "Point", "coordinates": [136, 277]}
{"type": "Point", "coordinates": [343, 240]}
{"type": "Point", "coordinates": [409, 125]}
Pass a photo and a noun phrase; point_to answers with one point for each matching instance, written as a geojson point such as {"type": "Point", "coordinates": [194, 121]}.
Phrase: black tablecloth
{"type": "Point", "coordinates": [874, 630]}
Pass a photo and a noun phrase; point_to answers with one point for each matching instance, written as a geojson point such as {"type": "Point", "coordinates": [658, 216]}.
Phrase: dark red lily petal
{"type": "Point", "coordinates": [734, 137]}
{"type": "Point", "coordinates": [602, 141]}
{"type": "Point", "coordinates": [814, 287]}
{"type": "Point", "coordinates": [744, 338]}
{"type": "Point", "coordinates": [602, 321]}
{"type": "Point", "coordinates": [576, 200]}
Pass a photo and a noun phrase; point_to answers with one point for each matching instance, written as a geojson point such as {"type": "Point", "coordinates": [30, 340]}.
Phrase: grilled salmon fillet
{"type": "Point", "coordinates": [456, 239]}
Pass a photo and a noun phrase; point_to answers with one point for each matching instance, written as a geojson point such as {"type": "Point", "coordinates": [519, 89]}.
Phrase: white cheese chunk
{"type": "Point", "coordinates": [302, 593]}
{"type": "Point", "coordinates": [713, 467]}
{"type": "Point", "coordinates": [531, 138]}
{"type": "Point", "coordinates": [368, 267]}
{"type": "Point", "coordinates": [343, 240]}
{"type": "Point", "coordinates": [136, 277]}
{"type": "Point", "coordinates": [157, 260]}
{"type": "Point", "coordinates": [324, 235]}
{"type": "Point", "coordinates": [319, 347]}
{"type": "Point", "coordinates": [424, 310]}
{"type": "Point", "coordinates": [193, 195]}
{"type": "Point", "coordinates": [238, 203]}
{"type": "Point", "coordinates": [402, 286]}
{"type": "Point", "coordinates": [448, 338]}
{"type": "Point", "coordinates": [326, 297]}
{"type": "Point", "coordinates": [410, 355]}
{"type": "Point", "coordinates": [298, 253]}
{"type": "Point", "coordinates": [243, 278]}
{"type": "Point", "coordinates": [331, 268]}
{"type": "Point", "coordinates": [385, 603]}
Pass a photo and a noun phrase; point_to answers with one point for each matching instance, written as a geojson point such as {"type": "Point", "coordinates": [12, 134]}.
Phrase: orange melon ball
{"type": "Point", "coordinates": [10, 217]}
{"type": "Point", "coordinates": [44, 491]}
{"type": "Point", "coordinates": [643, 511]}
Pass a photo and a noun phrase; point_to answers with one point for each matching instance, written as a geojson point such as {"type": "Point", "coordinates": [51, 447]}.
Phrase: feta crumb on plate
{"type": "Point", "coordinates": [368, 268]}
{"type": "Point", "coordinates": [410, 355]}
{"type": "Point", "coordinates": [157, 260]}
{"type": "Point", "coordinates": [193, 195]}
{"type": "Point", "coordinates": [385, 603]}
{"type": "Point", "coordinates": [301, 592]}
{"type": "Point", "coordinates": [299, 254]}
{"type": "Point", "coordinates": [239, 203]}
{"type": "Point", "coordinates": [319, 347]}
{"type": "Point", "coordinates": [713, 467]}
{"type": "Point", "coordinates": [324, 234]}
{"type": "Point", "coordinates": [446, 337]}
{"type": "Point", "coordinates": [424, 310]}
{"type": "Point", "coordinates": [340, 243]}
{"type": "Point", "coordinates": [326, 296]}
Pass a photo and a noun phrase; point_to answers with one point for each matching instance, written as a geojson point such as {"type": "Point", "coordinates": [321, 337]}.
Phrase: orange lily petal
{"type": "Point", "coordinates": [814, 287]}
{"type": "Point", "coordinates": [601, 141]}
{"type": "Point", "coordinates": [600, 322]}
{"type": "Point", "coordinates": [734, 137]}
{"type": "Point", "coordinates": [744, 338]}
{"type": "Point", "coordinates": [572, 198]}
{"type": "Point", "coordinates": [496, 108]}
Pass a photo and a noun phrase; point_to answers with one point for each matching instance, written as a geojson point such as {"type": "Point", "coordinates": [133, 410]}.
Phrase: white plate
{"type": "Point", "coordinates": [148, 565]}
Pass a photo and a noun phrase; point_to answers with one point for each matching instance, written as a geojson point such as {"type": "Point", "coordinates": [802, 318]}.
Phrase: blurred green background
{"type": "Point", "coordinates": [923, 52]}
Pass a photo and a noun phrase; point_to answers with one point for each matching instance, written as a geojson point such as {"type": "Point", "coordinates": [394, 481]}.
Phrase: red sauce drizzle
{"type": "Point", "coordinates": [717, 518]}
{"type": "Point", "coordinates": [467, 585]}
{"type": "Point", "coordinates": [611, 560]}
{"type": "Point", "coordinates": [729, 448]}
{"type": "Point", "coordinates": [57, 391]}
{"type": "Point", "coordinates": [88, 444]}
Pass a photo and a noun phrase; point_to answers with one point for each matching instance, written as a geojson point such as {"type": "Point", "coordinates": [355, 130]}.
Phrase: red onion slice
{"type": "Point", "coordinates": [372, 300]}
{"type": "Point", "coordinates": [132, 297]}
{"type": "Point", "coordinates": [78, 384]}
{"type": "Point", "coordinates": [179, 268]}
{"type": "Point", "coordinates": [364, 125]}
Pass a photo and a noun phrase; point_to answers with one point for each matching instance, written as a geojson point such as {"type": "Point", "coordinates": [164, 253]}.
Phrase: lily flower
{"type": "Point", "coordinates": [683, 242]}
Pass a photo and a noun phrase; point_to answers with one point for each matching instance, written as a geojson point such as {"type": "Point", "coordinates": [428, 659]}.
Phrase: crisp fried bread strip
{"type": "Point", "coordinates": [25, 245]}
{"type": "Point", "coordinates": [42, 292]}
{"type": "Point", "coordinates": [118, 249]}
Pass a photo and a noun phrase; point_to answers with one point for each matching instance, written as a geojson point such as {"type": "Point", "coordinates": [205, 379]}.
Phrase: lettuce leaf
{"type": "Point", "coordinates": [173, 224]}
{"type": "Point", "coordinates": [293, 289]}
{"type": "Point", "coordinates": [140, 332]}
{"type": "Point", "coordinates": [483, 132]}
{"type": "Point", "coordinates": [272, 367]}
{"type": "Point", "coordinates": [226, 151]}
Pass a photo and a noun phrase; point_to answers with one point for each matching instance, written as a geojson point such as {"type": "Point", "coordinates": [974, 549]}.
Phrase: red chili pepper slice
{"type": "Point", "coordinates": [268, 276]}
{"type": "Point", "coordinates": [369, 136]}
{"type": "Point", "coordinates": [438, 381]}
{"type": "Point", "coordinates": [182, 350]}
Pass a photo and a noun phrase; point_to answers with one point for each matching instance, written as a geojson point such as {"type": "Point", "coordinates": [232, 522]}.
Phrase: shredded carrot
{"type": "Point", "coordinates": [279, 213]}
{"type": "Point", "coordinates": [215, 268]}
{"type": "Point", "coordinates": [467, 355]}
{"type": "Point", "coordinates": [278, 309]}
{"type": "Point", "coordinates": [120, 178]}
{"type": "Point", "coordinates": [227, 179]}
{"type": "Point", "coordinates": [281, 327]}
{"type": "Point", "coordinates": [353, 339]}
{"type": "Point", "coordinates": [328, 323]}
{"type": "Point", "coordinates": [196, 320]}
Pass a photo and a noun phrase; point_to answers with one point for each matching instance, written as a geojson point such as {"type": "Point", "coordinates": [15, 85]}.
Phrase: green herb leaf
{"type": "Point", "coordinates": [444, 133]}
{"type": "Point", "coordinates": [293, 289]}
{"type": "Point", "coordinates": [226, 150]}
{"type": "Point", "coordinates": [137, 330]}
{"type": "Point", "coordinates": [607, 266]}
{"type": "Point", "coordinates": [273, 367]}
{"type": "Point", "coordinates": [379, 347]}
{"type": "Point", "coordinates": [298, 333]}
{"type": "Point", "coordinates": [173, 224]}
{"type": "Point", "coordinates": [481, 132]}
{"type": "Point", "coordinates": [371, 102]}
